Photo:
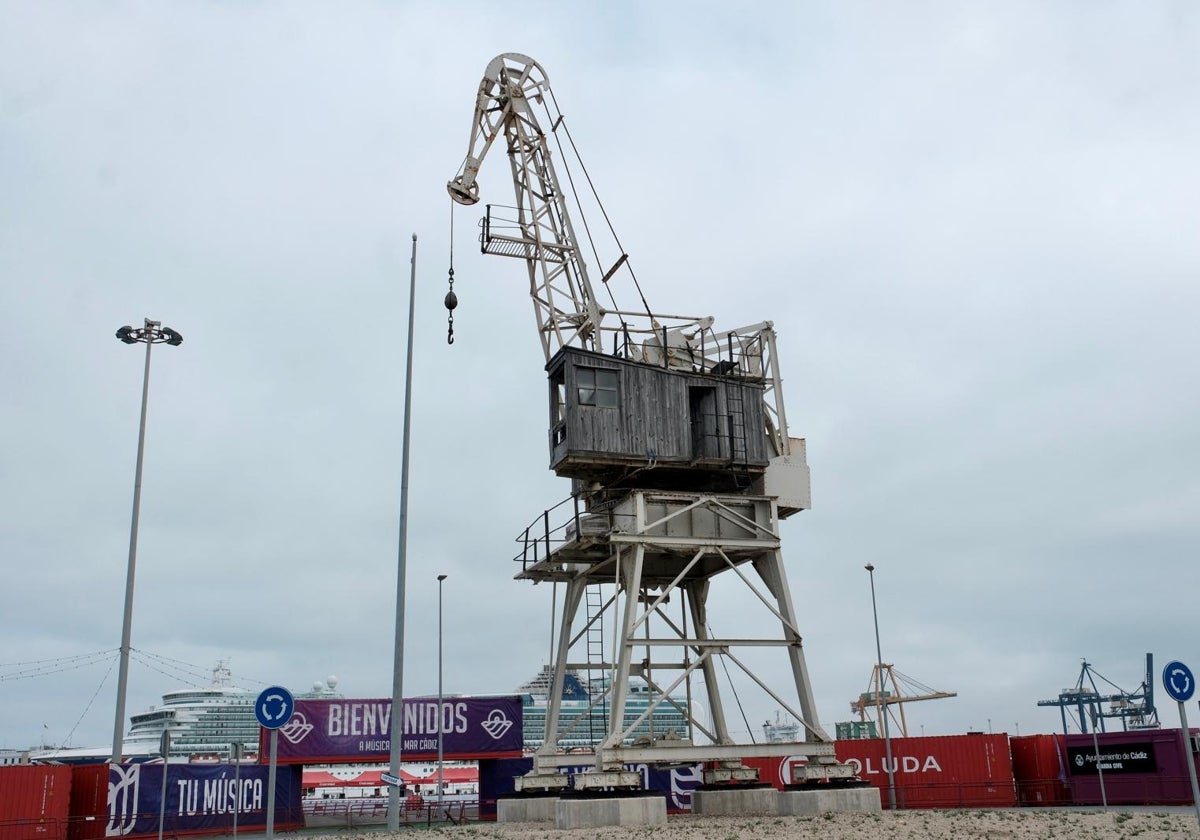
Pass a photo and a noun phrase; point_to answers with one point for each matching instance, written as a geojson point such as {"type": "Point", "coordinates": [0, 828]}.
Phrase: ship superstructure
{"type": "Point", "coordinates": [204, 724]}
{"type": "Point", "coordinates": [585, 707]}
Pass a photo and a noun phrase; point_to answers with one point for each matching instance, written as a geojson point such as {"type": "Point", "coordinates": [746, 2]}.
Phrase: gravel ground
{"type": "Point", "coordinates": [1145, 824]}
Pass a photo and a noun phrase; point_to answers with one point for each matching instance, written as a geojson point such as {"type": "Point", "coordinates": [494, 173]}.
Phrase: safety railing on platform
{"type": "Point", "coordinates": [563, 524]}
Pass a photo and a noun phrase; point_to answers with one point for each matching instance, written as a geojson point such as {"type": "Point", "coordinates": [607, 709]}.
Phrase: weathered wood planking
{"type": "Point", "coordinates": [681, 420]}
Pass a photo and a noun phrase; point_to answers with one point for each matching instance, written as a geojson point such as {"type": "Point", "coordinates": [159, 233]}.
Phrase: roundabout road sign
{"type": "Point", "coordinates": [1178, 681]}
{"type": "Point", "coordinates": [274, 707]}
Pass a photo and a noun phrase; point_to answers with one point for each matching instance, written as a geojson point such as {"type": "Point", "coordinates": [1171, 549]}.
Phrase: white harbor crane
{"type": "Point", "coordinates": [676, 439]}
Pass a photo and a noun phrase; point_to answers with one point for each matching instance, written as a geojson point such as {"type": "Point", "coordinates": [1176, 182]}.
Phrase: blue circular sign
{"type": "Point", "coordinates": [1178, 681]}
{"type": "Point", "coordinates": [274, 707]}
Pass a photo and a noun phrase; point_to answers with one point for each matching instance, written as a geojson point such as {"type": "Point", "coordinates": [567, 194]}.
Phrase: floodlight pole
{"type": "Point", "coordinates": [150, 334]}
{"type": "Point", "coordinates": [397, 733]}
{"type": "Point", "coordinates": [887, 738]}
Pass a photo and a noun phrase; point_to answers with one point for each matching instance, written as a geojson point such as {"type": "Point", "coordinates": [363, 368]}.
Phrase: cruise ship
{"type": "Point", "coordinates": [580, 729]}
{"type": "Point", "coordinates": [204, 724]}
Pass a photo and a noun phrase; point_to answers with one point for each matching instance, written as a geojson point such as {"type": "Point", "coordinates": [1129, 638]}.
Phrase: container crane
{"type": "Point", "coordinates": [676, 441]}
{"type": "Point", "coordinates": [1135, 709]}
{"type": "Point", "coordinates": [887, 693]}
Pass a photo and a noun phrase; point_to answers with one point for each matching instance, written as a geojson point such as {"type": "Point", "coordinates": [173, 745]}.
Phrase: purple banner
{"type": "Point", "coordinates": [350, 731]}
{"type": "Point", "coordinates": [201, 799]}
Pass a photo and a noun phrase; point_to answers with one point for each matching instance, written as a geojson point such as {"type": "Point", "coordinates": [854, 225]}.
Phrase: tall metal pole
{"type": "Point", "coordinates": [887, 738]}
{"type": "Point", "coordinates": [1099, 763]}
{"type": "Point", "coordinates": [397, 734]}
{"type": "Point", "coordinates": [150, 335]}
{"type": "Point", "coordinates": [441, 712]}
{"type": "Point", "coordinates": [235, 754]}
{"type": "Point", "coordinates": [164, 748]}
{"type": "Point", "coordinates": [1189, 758]}
{"type": "Point", "coordinates": [271, 784]}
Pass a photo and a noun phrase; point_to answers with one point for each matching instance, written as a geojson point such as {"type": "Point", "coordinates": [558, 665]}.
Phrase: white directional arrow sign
{"type": "Point", "coordinates": [274, 707]}
{"type": "Point", "coordinates": [1178, 681]}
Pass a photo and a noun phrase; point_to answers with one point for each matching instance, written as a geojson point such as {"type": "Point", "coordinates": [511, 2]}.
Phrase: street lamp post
{"type": "Point", "coordinates": [441, 712]}
{"type": "Point", "coordinates": [152, 333]}
{"type": "Point", "coordinates": [397, 729]}
{"type": "Point", "coordinates": [887, 739]}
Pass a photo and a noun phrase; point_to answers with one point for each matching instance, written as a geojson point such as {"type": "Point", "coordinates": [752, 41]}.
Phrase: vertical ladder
{"type": "Point", "coordinates": [735, 417]}
{"type": "Point", "coordinates": [735, 408]}
{"type": "Point", "coordinates": [597, 729]}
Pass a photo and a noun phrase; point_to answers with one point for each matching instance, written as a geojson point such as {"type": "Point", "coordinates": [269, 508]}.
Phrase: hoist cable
{"type": "Point", "coordinates": [733, 688]}
{"type": "Point", "coordinates": [600, 204]}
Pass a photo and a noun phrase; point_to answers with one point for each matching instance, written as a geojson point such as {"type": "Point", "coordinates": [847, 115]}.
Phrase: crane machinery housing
{"type": "Point", "coordinates": [675, 438]}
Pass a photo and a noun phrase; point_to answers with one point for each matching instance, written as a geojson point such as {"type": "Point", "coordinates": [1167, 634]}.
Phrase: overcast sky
{"type": "Point", "coordinates": [975, 226]}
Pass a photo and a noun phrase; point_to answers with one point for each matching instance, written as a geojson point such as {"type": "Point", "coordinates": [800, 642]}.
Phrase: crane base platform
{"type": "Point", "coordinates": [624, 811]}
{"type": "Point", "coordinates": [831, 800]}
{"type": "Point", "coordinates": [734, 800]}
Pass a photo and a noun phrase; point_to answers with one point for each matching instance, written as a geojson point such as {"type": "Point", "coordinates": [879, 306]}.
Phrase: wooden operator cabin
{"type": "Point", "coordinates": [621, 423]}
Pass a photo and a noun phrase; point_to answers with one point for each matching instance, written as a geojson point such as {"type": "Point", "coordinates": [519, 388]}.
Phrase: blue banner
{"type": "Point", "coordinates": [200, 798]}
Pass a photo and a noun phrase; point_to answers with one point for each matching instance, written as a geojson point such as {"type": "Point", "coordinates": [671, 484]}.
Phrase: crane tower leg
{"type": "Point", "coordinates": [697, 596]}
{"type": "Point", "coordinates": [631, 584]}
{"type": "Point", "coordinates": [771, 569]}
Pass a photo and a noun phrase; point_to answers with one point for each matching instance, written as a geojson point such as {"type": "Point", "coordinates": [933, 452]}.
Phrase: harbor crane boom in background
{"type": "Point", "coordinates": [676, 441]}
{"type": "Point", "coordinates": [888, 692]}
{"type": "Point", "coordinates": [1135, 709]}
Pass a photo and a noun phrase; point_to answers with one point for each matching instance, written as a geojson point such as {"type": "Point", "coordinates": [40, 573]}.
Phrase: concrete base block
{"type": "Point", "coordinates": [806, 803]}
{"type": "Point", "coordinates": [592, 813]}
{"type": "Point", "coordinates": [526, 808]}
{"type": "Point", "coordinates": [726, 802]}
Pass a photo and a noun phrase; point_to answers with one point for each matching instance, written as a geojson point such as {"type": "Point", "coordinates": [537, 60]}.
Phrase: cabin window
{"type": "Point", "coordinates": [560, 403]}
{"type": "Point", "coordinates": [596, 387]}
{"type": "Point", "coordinates": [558, 408]}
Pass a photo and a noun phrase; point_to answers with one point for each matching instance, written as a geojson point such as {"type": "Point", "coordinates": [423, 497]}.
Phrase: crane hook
{"type": "Point", "coordinates": [451, 304]}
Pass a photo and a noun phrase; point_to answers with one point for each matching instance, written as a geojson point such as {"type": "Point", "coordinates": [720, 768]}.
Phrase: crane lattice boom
{"type": "Point", "coordinates": [904, 689]}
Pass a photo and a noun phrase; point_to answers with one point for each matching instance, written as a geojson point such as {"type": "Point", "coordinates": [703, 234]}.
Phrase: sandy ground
{"type": "Point", "coordinates": [1142, 824]}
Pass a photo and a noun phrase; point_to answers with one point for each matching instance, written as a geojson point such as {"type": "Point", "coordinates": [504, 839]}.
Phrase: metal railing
{"type": "Point", "coordinates": [563, 524]}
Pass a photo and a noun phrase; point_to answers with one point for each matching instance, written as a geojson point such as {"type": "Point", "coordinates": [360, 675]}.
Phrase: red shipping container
{"type": "Point", "coordinates": [1040, 769]}
{"type": "Point", "coordinates": [953, 771]}
{"type": "Point", "coordinates": [35, 802]}
{"type": "Point", "coordinates": [89, 801]}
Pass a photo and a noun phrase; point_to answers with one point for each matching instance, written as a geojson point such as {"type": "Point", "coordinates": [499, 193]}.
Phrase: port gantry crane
{"type": "Point", "coordinates": [1135, 709]}
{"type": "Point", "coordinates": [676, 441]}
{"type": "Point", "coordinates": [886, 701]}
